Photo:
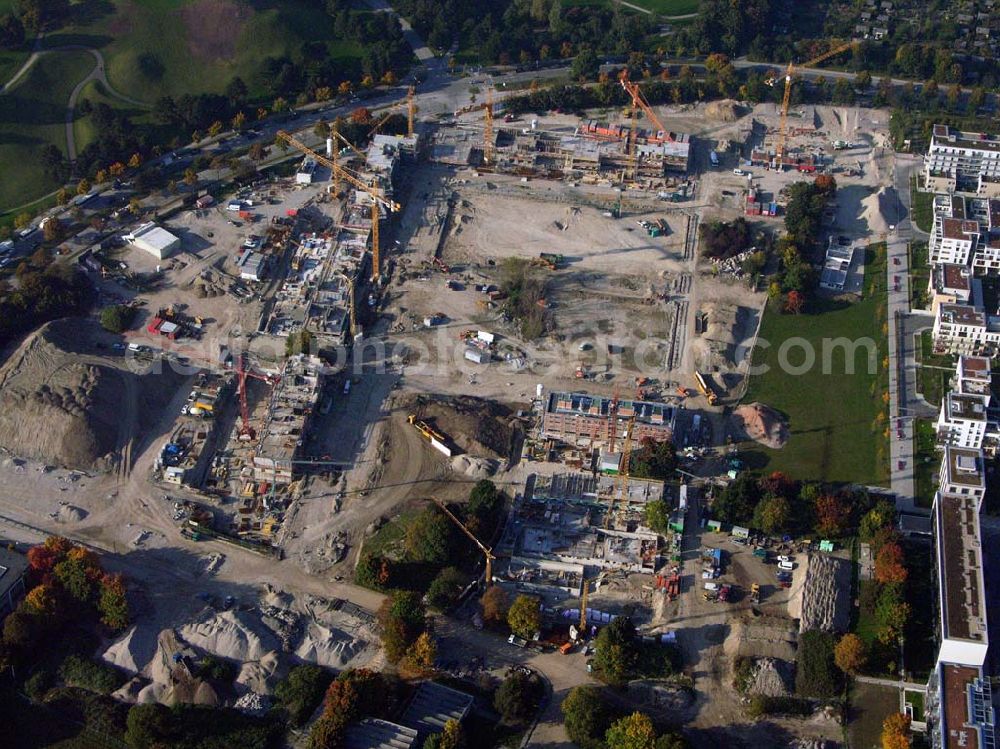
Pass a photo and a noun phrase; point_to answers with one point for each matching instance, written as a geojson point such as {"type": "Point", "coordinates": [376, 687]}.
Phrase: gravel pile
{"type": "Point", "coordinates": [826, 595]}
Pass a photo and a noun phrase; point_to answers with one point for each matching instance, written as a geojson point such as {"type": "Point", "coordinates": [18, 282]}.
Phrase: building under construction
{"type": "Point", "coordinates": [582, 419]}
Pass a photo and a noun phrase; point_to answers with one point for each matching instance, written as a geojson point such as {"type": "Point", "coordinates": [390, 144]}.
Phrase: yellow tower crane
{"type": "Point", "coordinates": [487, 552]}
{"type": "Point", "coordinates": [488, 127]}
{"type": "Point", "coordinates": [411, 110]}
{"type": "Point", "coordinates": [782, 129]}
{"type": "Point", "coordinates": [378, 199]}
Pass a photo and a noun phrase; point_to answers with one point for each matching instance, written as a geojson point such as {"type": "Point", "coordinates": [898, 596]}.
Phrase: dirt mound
{"type": "Point", "coordinates": [230, 634]}
{"type": "Point", "coordinates": [879, 207]}
{"type": "Point", "coordinates": [57, 409]}
{"type": "Point", "coordinates": [214, 27]}
{"type": "Point", "coordinates": [761, 424]}
{"type": "Point", "coordinates": [725, 110]}
{"type": "Point", "coordinates": [479, 427]}
{"type": "Point", "coordinates": [771, 678]}
{"type": "Point", "coordinates": [826, 594]}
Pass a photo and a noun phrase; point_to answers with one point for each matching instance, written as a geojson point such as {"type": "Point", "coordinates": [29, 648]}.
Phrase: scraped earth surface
{"type": "Point", "coordinates": [214, 27]}
{"type": "Point", "coordinates": [761, 424]}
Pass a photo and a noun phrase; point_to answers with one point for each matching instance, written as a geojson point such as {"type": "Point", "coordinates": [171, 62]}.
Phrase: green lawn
{"type": "Point", "coordinates": [920, 275]}
{"type": "Point", "coordinates": [152, 51]}
{"type": "Point", "coordinates": [922, 205]}
{"type": "Point", "coordinates": [926, 461]}
{"type": "Point", "coordinates": [836, 431]}
{"type": "Point", "coordinates": [32, 115]}
{"type": "Point", "coordinates": [663, 7]}
{"type": "Point", "coordinates": [915, 700]}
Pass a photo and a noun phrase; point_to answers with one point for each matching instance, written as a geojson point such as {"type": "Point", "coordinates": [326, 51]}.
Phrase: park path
{"type": "Point", "coordinates": [648, 12]}
{"type": "Point", "coordinates": [98, 73]}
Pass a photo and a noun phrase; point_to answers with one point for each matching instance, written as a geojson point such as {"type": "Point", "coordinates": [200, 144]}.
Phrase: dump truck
{"type": "Point", "coordinates": [705, 389]}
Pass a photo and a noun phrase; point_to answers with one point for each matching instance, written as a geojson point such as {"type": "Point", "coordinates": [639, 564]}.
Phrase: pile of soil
{"type": "Point", "coordinates": [479, 427]}
{"type": "Point", "coordinates": [56, 409]}
{"type": "Point", "coordinates": [761, 424]}
{"type": "Point", "coordinates": [826, 594]}
{"type": "Point", "coordinates": [724, 110]}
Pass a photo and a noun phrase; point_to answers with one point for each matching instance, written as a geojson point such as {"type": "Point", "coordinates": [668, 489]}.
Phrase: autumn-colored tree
{"type": "Point", "coordinates": [832, 515]}
{"type": "Point", "coordinates": [62, 196]}
{"type": "Point", "coordinates": [889, 564]}
{"type": "Point", "coordinates": [83, 186]}
{"type": "Point", "coordinates": [135, 161]}
{"type": "Point", "coordinates": [117, 169]}
{"type": "Point", "coordinates": [238, 121]}
{"type": "Point", "coordinates": [849, 654]}
{"type": "Point", "coordinates": [344, 88]}
{"type": "Point", "coordinates": [367, 82]}
{"type": "Point", "coordinates": [101, 176]}
{"type": "Point", "coordinates": [43, 601]}
{"type": "Point", "coordinates": [453, 736]}
{"type": "Point", "coordinates": [896, 732]}
{"type": "Point", "coordinates": [388, 78]}
{"type": "Point", "coordinates": [494, 603]}
{"type": "Point", "coordinates": [891, 614]}
{"type": "Point", "coordinates": [190, 177]}
{"type": "Point", "coordinates": [215, 128]}
{"type": "Point", "coordinates": [419, 660]}
{"type": "Point", "coordinates": [41, 560]}
{"type": "Point", "coordinates": [777, 484]}
{"type": "Point", "coordinates": [73, 575]}
{"type": "Point", "coordinates": [323, 93]}
{"type": "Point", "coordinates": [279, 105]}
{"type": "Point", "coordinates": [22, 220]}
{"type": "Point", "coordinates": [825, 182]}
{"type": "Point", "coordinates": [112, 604]}
{"type": "Point", "coordinates": [524, 616]}
{"type": "Point", "coordinates": [361, 116]}
{"type": "Point", "coordinates": [794, 302]}
{"type": "Point", "coordinates": [634, 731]}
{"type": "Point", "coordinates": [566, 50]}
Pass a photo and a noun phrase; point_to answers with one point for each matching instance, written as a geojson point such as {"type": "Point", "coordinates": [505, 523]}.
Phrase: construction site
{"type": "Point", "coordinates": [516, 297]}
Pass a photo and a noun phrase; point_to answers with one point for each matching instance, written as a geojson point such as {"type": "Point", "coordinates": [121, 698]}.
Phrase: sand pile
{"type": "Point", "coordinates": [231, 634]}
{"type": "Point", "coordinates": [771, 678]}
{"type": "Point", "coordinates": [761, 424]}
{"type": "Point", "coordinates": [327, 646]}
{"type": "Point", "coordinates": [261, 676]}
{"type": "Point", "coordinates": [725, 110]}
{"type": "Point", "coordinates": [134, 650]}
{"type": "Point", "coordinates": [475, 468]}
{"type": "Point", "coordinates": [70, 514]}
{"type": "Point", "coordinates": [878, 209]}
{"type": "Point", "coordinates": [826, 594]}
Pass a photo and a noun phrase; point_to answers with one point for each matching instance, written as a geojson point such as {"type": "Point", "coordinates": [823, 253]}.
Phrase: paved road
{"type": "Point", "coordinates": [904, 403]}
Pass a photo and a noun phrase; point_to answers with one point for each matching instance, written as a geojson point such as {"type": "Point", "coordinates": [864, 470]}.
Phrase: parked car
{"type": "Point", "coordinates": [786, 565]}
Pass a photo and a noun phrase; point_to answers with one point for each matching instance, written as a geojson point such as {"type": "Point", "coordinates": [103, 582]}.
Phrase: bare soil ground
{"type": "Point", "coordinates": [214, 27]}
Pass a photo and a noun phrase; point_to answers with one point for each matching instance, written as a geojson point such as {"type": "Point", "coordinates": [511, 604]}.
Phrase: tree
{"type": "Point", "coordinates": [101, 176]}
{"type": "Point", "coordinates": [517, 697]}
{"type": "Point", "coordinates": [43, 601]}
{"type": "Point", "coordinates": [429, 537]}
{"type": "Point", "coordinates": [146, 725]}
{"type": "Point", "coordinates": [524, 617]}
{"type": "Point", "coordinates": [361, 116]}
{"type": "Point", "coordinates": [402, 620]}
{"type": "Point", "coordinates": [257, 152]}
{"type": "Point", "coordinates": [882, 515]}
{"type": "Point", "coordinates": [21, 629]}
{"type": "Point", "coordinates": [11, 32]}
{"type": "Point", "coordinates": [135, 160]}
{"type": "Point", "coordinates": [445, 588]}
{"type": "Point", "coordinates": [617, 655]}
{"type": "Point", "coordinates": [112, 604]}
{"type": "Point", "coordinates": [279, 105]}
{"type": "Point", "coordinates": [896, 732]}
{"type": "Point", "coordinates": [891, 613]}
{"type": "Point", "coordinates": [190, 177]}
{"type": "Point", "coordinates": [889, 564]}
{"type": "Point", "coordinates": [656, 516]}
{"type": "Point", "coordinates": [22, 220]}
{"type": "Point", "coordinates": [654, 459]}
{"type": "Point", "coordinates": [794, 302]}
{"type": "Point", "coordinates": [632, 732]}
{"type": "Point", "coordinates": [62, 196]}
{"type": "Point", "coordinates": [453, 736]}
{"type": "Point", "coordinates": [494, 603]}
{"type": "Point", "coordinates": [832, 515]}
{"type": "Point", "coordinates": [586, 717]}
{"type": "Point", "coordinates": [849, 654]}
{"type": "Point", "coordinates": [737, 502]}
{"type": "Point", "coordinates": [238, 121]}
{"type": "Point", "coordinates": [75, 579]}
{"type": "Point", "coordinates": [772, 515]}
{"type": "Point", "coordinates": [421, 656]}
{"type": "Point", "coordinates": [83, 186]}
{"type": "Point", "coordinates": [116, 318]}
{"type": "Point", "coordinates": [215, 128]}
{"type": "Point", "coordinates": [321, 129]}
{"type": "Point", "coordinates": [237, 92]}
{"type": "Point", "coordinates": [53, 229]}
{"type": "Point", "coordinates": [585, 65]}
{"type": "Point", "coordinates": [484, 508]}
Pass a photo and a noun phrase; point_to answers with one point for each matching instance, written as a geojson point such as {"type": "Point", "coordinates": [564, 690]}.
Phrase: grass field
{"type": "Point", "coordinates": [836, 431]}
{"type": "Point", "coordinates": [162, 47]}
{"type": "Point", "coordinates": [926, 462]}
{"type": "Point", "coordinates": [32, 115]}
{"type": "Point", "coordinates": [923, 207]}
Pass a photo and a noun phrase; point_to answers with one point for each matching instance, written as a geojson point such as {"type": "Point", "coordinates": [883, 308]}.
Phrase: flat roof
{"type": "Point", "coordinates": [964, 467]}
{"type": "Point", "coordinates": [957, 228]}
{"type": "Point", "coordinates": [966, 407]}
{"type": "Point", "coordinates": [434, 705]}
{"type": "Point", "coordinates": [946, 135]}
{"type": "Point", "coordinates": [13, 566]}
{"type": "Point", "coordinates": [374, 733]}
{"type": "Point", "coordinates": [974, 366]}
{"type": "Point", "coordinates": [961, 569]}
{"type": "Point", "coordinates": [953, 276]}
{"type": "Point", "coordinates": [154, 236]}
{"type": "Point", "coordinates": [960, 729]}
{"type": "Point", "coordinates": [961, 314]}
{"type": "Point", "coordinates": [582, 404]}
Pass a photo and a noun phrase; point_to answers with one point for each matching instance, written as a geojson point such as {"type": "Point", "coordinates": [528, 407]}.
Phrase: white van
{"type": "Point", "coordinates": [135, 348]}
{"type": "Point", "coordinates": [786, 565]}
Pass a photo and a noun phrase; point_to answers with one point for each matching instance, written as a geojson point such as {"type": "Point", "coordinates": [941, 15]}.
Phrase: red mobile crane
{"type": "Point", "coordinates": [243, 372]}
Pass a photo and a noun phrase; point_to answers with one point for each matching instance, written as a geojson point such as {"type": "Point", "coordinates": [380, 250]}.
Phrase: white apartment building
{"type": "Point", "coordinates": [949, 284]}
{"type": "Point", "coordinates": [964, 329]}
{"type": "Point", "coordinates": [966, 231]}
{"type": "Point", "coordinates": [973, 375]}
{"type": "Point", "coordinates": [962, 162]}
{"type": "Point", "coordinates": [964, 421]}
